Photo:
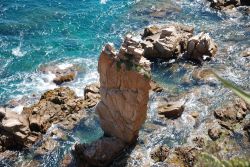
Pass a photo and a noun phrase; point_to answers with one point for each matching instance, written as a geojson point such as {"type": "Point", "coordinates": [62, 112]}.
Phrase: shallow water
{"type": "Point", "coordinates": [33, 33]}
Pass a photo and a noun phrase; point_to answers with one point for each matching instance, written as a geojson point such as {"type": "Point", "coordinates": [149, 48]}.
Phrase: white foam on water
{"type": "Point", "coordinates": [103, 1]}
{"type": "Point", "coordinates": [18, 52]}
{"type": "Point", "coordinates": [64, 66]}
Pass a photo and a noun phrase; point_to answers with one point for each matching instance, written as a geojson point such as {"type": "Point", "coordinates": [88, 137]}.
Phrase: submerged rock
{"type": "Point", "coordinates": [171, 110]}
{"type": "Point", "coordinates": [124, 88]}
{"type": "Point", "coordinates": [99, 153]}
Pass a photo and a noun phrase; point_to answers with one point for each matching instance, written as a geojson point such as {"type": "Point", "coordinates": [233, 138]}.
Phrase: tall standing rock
{"type": "Point", "coordinates": [124, 89]}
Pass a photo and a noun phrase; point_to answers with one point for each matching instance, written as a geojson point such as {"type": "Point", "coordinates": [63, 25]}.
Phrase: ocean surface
{"type": "Point", "coordinates": [34, 33]}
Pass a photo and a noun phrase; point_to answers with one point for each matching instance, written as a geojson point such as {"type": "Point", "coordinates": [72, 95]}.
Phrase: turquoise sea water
{"type": "Point", "coordinates": [65, 32]}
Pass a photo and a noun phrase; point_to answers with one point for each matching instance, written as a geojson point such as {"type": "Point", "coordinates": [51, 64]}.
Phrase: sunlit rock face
{"type": "Point", "coordinates": [124, 89]}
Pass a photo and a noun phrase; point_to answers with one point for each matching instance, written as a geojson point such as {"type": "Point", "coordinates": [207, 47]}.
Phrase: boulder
{"type": "Point", "coordinates": [201, 47]}
{"type": "Point", "coordinates": [99, 153]}
{"type": "Point", "coordinates": [59, 106]}
{"type": "Point", "coordinates": [155, 87]}
{"type": "Point", "coordinates": [232, 112]}
{"type": "Point", "coordinates": [92, 94]}
{"type": "Point", "coordinates": [246, 53]}
{"type": "Point", "coordinates": [167, 42]}
{"type": "Point", "coordinates": [160, 153]}
{"type": "Point", "coordinates": [171, 110]}
{"type": "Point", "coordinates": [214, 133]}
{"type": "Point", "coordinates": [228, 4]}
{"type": "Point", "coordinates": [124, 89]}
{"type": "Point", "coordinates": [61, 74]}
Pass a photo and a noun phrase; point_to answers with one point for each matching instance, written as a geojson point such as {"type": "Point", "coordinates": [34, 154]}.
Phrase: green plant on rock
{"type": "Point", "coordinates": [208, 160]}
{"type": "Point", "coordinates": [239, 92]}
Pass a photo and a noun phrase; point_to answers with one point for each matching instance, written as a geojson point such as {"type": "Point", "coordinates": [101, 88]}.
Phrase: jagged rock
{"type": "Point", "coordinates": [214, 133]}
{"type": "Point", "coordinates": [58, 106]}
{"type": "Point", "coordinates": [124, 88]}
{"type": "Point", "coordinates": [64, 77]}
{"type": "Point", "coordinates": [14, 130]}
{"type": "Point", "coordinates": [228, 4]}
{"type": "Point", "coordinates": [150, 31]}
{"type": "Point", "coordinates": [65, 74]}
{"type": "Point", "coordinates": [233, 112]}
{"type": "Point", "coordinates": [155, 87]}
{"type": "Point", "coordinates": [160, 153]}
{"type": "Point", "coordinates": [199, 141]}
{"type": "Point", "coordinates": [47, 146]}
{"type": "Point", "coordinates": [99, 153]}
{"type": "Point", "coordinates": [167, 42]}
{"type": "Point", "coordinates": [171, 110]}
{"type": "Point", "coordinates": [201, 47]}
{"type": "Point", "coordinates": [187, 154]}
{"type": "Point", "coordinates": [92, 94]}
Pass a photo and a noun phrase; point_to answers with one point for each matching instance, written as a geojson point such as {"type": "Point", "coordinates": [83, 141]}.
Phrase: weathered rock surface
{"type": "Point", "coordinates": [99, 153]}
{"type": "Point", "coordinates": [171, 110]}
{"type": "Point", "coordinates": [155, 87]}
{"type": "Point", "coordinates": [214, 133]}
{"type": "Point", "coordinates": [165, 42]}
{"type": "Point", "coordinates": [92, 94]}
{"type": "Point", "coordinates": [124, 88]}
{"type": "Point", "coordinates": [62, 75]}
{"type": "Point", "coordinates": [59, 106]}
{"type": "Point", "coordinates": [201, 47]}
{"type": "Point", "coordinates": [233, 112]}
{"type": "Point", "coordinates": [228, 4]}
{"type": "Point", "coordinates": [160, 153]}
{"type": "Point", "coordinates": [14, 131]}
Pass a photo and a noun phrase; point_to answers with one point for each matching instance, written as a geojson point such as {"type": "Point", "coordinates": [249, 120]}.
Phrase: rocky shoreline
{"type": "Point", "coordinates": [120, 101]}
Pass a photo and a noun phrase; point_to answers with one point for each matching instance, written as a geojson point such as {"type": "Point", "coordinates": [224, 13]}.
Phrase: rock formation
{"type": "Point", "coordinates": [61, 75]}
{"type": "Point", "coordinates": [228, 4]}
{"type": "Point", "coordinates": [166, 42]}
{"type": "Point", "coordinates": [174, 41]}
{"type": "Point", "coordinates": [201, 47]}
{"type": "Point", "coordinates": [59, 106]}
{"type": "Point", "coordinates": [125, 85]}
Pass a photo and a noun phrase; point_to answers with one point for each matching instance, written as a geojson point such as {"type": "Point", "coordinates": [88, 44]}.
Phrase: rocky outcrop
{"type": "Point", "coordinates": [124, 88]}
{"type": "Point", "coordinates": [201, 47]}
{"type": "Point", "coordinates": [228, 4]}
{"type": "Point", "coordinates": [171, 110]}
{"type": "Point", "coordinates": [59, 106]}
{"type": "Point", "coordinates": [160, 153]}
{"type": "Point", "coordinates": [61, 74]}
{"type": "Point", "coordinates": [233, 112]}
{"type": "Point", "coordinates": [92, 94]}
{"type": "Point", "coordinates": [99, 153]}
{"type": "Point", "coordinates": [165, 42]}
